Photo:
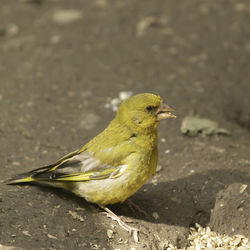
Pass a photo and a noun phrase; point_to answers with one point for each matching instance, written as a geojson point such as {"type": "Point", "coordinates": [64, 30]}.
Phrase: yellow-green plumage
{"type": "Point", "coordinates": [117, 162]}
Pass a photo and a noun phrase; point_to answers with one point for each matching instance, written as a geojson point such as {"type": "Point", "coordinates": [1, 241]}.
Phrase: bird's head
{"type": "Point", "coordinates": [144, 111]}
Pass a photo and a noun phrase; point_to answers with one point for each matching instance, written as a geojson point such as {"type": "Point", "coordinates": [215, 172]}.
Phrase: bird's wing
{"type": "Point", "coordinates": [77, 166]}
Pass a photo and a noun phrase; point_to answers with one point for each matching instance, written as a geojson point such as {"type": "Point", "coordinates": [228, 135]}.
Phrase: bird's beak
{"type": "Point", "coordinates": [164, 112]}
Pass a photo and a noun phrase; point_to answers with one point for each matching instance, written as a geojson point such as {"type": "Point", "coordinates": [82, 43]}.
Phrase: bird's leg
{"type": "Point", "coordinates": [113, 216]}
{"type": "Point", "coordinates": [134, 207]}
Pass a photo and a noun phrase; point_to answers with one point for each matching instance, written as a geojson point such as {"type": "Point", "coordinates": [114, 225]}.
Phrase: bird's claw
{"type": "Point", "coordinates": [122, 224]}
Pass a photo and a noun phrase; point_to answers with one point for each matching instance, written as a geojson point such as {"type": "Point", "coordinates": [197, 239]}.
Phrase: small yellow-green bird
{"type": "Point", "coordinates": [114, 164]}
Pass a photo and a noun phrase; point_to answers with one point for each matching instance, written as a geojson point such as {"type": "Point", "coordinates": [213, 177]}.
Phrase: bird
{"type": "Point", "coordinates": [116, 163]}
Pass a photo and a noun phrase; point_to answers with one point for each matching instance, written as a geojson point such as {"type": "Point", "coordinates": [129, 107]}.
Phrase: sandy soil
{"type": "Point", "coordinates": [62, 61]}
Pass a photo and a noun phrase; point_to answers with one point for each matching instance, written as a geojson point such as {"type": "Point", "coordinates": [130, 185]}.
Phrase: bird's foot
{"type": "Point", "coordinates": [125, 226]}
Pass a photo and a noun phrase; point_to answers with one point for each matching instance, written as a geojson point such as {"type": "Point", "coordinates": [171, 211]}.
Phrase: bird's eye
{"type": "Point", "coordinates": [150, 108]}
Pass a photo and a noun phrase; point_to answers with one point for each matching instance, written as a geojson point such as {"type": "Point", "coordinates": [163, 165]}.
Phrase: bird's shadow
{"type": "Point", "coordinates": [181, 202]}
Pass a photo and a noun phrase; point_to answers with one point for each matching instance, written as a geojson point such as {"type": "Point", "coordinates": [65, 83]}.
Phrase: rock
{"type": "Point", "coordinates": [231, 211]}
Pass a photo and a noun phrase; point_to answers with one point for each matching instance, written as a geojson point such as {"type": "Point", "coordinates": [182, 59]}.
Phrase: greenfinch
{"type": "Point", "coordinates": [114, 164]}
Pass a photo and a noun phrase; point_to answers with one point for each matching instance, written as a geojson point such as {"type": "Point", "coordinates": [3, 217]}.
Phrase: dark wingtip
{"type": "Point", "coordinates": [19, 179]}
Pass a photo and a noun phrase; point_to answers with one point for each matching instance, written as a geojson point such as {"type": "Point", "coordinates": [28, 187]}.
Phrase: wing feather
{"type": "Point", "coordinates": [77, 167]}
{"type": "Point", "coordinates": [81, 165]}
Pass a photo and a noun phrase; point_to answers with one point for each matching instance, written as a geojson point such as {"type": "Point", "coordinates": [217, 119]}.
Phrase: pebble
{"type": "Point", "coordinates": [163, 140]}
{"type": "Point", "coordinates": [123, 95]}
{"type": "Point", "coordinates": [144, 24]}
{"type": "Point", "coordinates": [156, 215]}
{"type": "Point", "coordinates": [76, 216]}
{"type": "Point", "coordinates": [16, 163]}
{"type": "Point", "coordinates": [52, 237]}
{"type": "Point", "coordinates": [66, 16]}
{"type": "Point", "coordinates": [26, 233]}
{"type": "Point", "coordinates": [243, 188]}
{"type": "Point", "coordinates": [115, 102]}
{"type": "Point", "coordinates": [159, 168]}
{"type": "Point", "coordinates": [110, 233]}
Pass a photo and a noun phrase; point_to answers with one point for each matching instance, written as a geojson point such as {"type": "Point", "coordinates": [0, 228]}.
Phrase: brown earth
{"type": "Point", "coordinates": [57, 71]}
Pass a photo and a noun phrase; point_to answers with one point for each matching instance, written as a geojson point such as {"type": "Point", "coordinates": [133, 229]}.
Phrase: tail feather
{"type": "Point", "coordinates": [28, 176]}
{"type": "Point", "coordinates": [22, 178]}
{"type": "Point", "coordinates": [43, 174]}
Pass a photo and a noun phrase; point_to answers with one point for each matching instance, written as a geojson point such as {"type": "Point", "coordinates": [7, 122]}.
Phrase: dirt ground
{"type": "Point", "coordinates": [60, 63]}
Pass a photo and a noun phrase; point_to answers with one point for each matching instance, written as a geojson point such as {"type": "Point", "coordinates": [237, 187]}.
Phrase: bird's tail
{"type": "Point", "coordinates": [27, 177]}
{"type": "Point", "coordinates": [40, 175]}
{"type": "Point", "coordinates": [22, 178]}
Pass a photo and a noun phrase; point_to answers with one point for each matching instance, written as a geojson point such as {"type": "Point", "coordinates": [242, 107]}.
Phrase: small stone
{"type": "Point", "coordinates": [110, 233]}
{"type": "Point", "coordinates": [156, 215]}
{"type": "Point", "coordinates": [16, 163]}
{"type": "Point", "coordinates": [191, 171]}
{"type": "Point", "coordinates": [243, 188]}
{"type": "Point", "coordinates": [66, 16]}
{"type": "Point", "coordinates": [76, 216]}
{"type": "Point", "coordinates": [136, 236]}
{"type": "Point", "coordinates": [124, 95]}
{"type": "Point", "coordinates": [80, 209]}
{"type": "Point", "coordinates": [115, 101]}
{"type": "Point", "coordinates": [163, 140]}
{"type": "Point", "coordinates": [52, 237]}
{"type": "Point", "coordinates": [26, 233]}
{"type": "Point", "coordinates": [159, 168]}
{"type": "Point", "coordinates": [144, 24]}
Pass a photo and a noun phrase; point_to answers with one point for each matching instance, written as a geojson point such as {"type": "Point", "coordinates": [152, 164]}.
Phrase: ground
{"type": "Point", "coordinates": [62, 61]}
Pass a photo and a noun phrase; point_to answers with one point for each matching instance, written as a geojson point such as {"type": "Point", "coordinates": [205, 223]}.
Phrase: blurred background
{"type": "Point", "coordinates": [65, 64]}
